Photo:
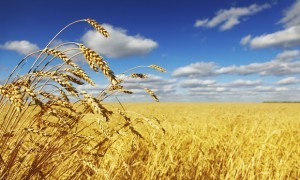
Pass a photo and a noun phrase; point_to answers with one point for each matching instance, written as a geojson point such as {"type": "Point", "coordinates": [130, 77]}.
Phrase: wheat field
{"type": "Point", "coordinates": [200, 141]}
{"type": "Point", "coordinates": [212, 141]}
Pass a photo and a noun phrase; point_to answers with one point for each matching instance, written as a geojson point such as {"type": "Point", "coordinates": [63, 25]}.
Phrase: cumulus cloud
{"type": "Point", "coordinates": [287, 37]}
{"type": "Point", "coordinates": [120, 44]}
{"type": "Point", "coordinates": [264, 88]}
{"type": "Point", "coordinates": [288, 55]}
{"type": "Point", "coordinates": [292, 16]}
{"type": "Point", "coordinates": [288, 81]}
{"type": "Point", "coordinates": [94, 90]}
{"type": "Point", "coordinates": [243, 82]}
{"type": "Point", "coordinates": [236, 90]}
{"type": "Point", "coordinates": [191, 83]}
{"type": "Point", "coordinates": [224, 92]}
{"type": "Point", "coordinates": [205, 90]}
{"type": "Point", "coordinates": [198, 83]}
{"type": "Point", "coordinates": [275, 67]}
{"type": "Point", "coordinates": [88, 87]}
{"type": "Point", "coordinates": [228, 18]}
{"type": "Point", "coordinates": [195, 69]}
{"type": "Point", "coordinates": [22, 47]}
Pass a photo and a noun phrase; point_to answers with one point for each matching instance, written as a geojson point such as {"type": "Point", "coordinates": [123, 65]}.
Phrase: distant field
{"type": "Point", "coordinates": [213, 141]}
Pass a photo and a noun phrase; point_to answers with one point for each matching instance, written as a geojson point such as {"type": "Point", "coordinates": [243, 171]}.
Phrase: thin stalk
{"type": "Point", "coordinates": [81, 20]}
{"type": "Point", "coordinates": [24, 59]}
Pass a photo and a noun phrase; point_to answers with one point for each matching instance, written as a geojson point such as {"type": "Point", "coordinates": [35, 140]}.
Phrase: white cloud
{"type": "Point", "coordinates": [195, 69]}
{"type": "Point", "coordinates": [245, 40]}
{"type": "Point", "coordinates": [292, 16]}
{"type": "Point", "coordinates": [281, 89]}
{"type": "Point", "coordinates": [286, 38]}
{"type": "Point", "coordinates": [264, 88]}
{"type": "Point", "coordinates": [88, 87]}
{"type": "Point", "coordinates": [242, 82]}
{"type": "Point", "coordinates": [200, 23]}
{"type": "Point", "coordinates": [288, 55]}
{"type": "Point", "coordinates": [208, 84]}
{"type": "Point", "coordinates": [276, 67]}
{"type": "Point", "coordinates": [191, 83]}
{"type": "Point", "coordinates": [23, 47]}
{"type": "Point", "coordinates": [228, 18]}
{"type": "Point", "coordinates": [223, 92]}
{"type": "Point", "coordinates": [119, 44]}
{"type": "Point", "coordinates": [288, 80]}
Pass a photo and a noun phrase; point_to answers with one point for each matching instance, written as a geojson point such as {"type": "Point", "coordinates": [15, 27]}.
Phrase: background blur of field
{"type": "Point", "coordinates": [210, 141]}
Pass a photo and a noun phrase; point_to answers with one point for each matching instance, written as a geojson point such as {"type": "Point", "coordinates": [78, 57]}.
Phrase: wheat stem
{"type": "Point", "coordinates": [15, 68]}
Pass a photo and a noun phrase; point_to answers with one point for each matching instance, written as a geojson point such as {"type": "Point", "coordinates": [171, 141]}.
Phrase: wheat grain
{"type": "Point", "coordinates": [158, 68]}
{"type": "Point", "coordinates": [92, 56]}
{"type": "Point", "coordinates": [70, 78]}
{"type": "Point", "coordinates": [139, 75]}
{"type": "Point", "coordinates": [60, 79]}
{"type": "Point", "coordinates": [13, 93]}
{"type": "Point", "coordinates": [60, 55]}
{"type": "Point", "coordinates": [151, 93]}
{"type": "Point", "coordinates": [95, 105]}
{"type": "Point", "coordinates": [64, 95]}
{"type": "Point", "coordinates": [134, 144]}
{"type": "Point", "coordinates": [55, 100]}
{"type": "Point", "coordinates": [98, 27]}
{"type": "Point", "coordinates": [80, 74]}
{"type": "Point", "coordinates": [38, 131]}
{"type": "Point", "coordinates": [125, 91]}
{"type": "Point", "coordinates": [134, 131]}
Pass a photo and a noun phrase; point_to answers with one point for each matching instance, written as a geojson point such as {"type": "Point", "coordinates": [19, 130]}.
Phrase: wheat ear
{"type": "Point", "coordinates": [158, 68]}
{"type": "Point", "coordinates": [92, 56]}
{"type": "Point", "coordinates": [151, 93]}
{"type": "Point", "coordinates": [98, 27]}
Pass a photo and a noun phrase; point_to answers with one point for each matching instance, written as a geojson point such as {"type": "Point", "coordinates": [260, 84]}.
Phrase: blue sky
{"type": "Point", "coordinates": [213, 50]}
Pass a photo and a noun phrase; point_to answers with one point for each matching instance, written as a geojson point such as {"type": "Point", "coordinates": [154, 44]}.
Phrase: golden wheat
{"type": "Point", "coordinates": [13, 93]}
{"type": "Point", "coordinates": [139, 75]}
{"type": "Point", "coordinates": [151, 93]}
{"type": "Point", "coordinates": [80, 74]}
{"type": "Point", "coordinates": [60, 55]}
{"type": "Point", "coordinates": [98, 27]}
{"type": "Point", "coordinates": [94, 58]}
{"type": "Point", "coordinates": [158, 68]}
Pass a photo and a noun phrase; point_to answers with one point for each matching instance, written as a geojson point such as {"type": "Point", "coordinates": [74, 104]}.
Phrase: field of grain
{"type": "Point", "coordinates": [199, 141]}
{"type": "Point", "coordinates": [193, 141]}
{"type": "Point", "coordinates": [211, 141]}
